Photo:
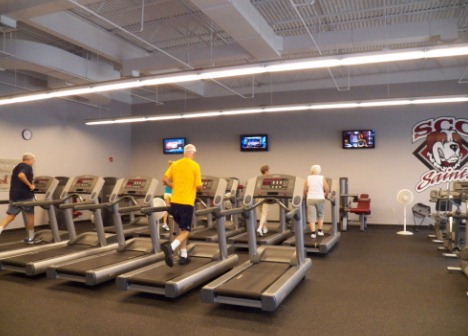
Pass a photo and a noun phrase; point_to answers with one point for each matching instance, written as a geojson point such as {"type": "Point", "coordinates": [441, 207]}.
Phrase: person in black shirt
{"type": "Point", "coordinates": [22, 189]}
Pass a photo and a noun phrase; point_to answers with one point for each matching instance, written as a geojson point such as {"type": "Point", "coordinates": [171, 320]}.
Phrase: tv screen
{"type": "Point", "coordinates": [254, 143]}
{"type": "Point", "coordinates": [174, 145]}
{"type": "Point", "coordinates": [358, 139]}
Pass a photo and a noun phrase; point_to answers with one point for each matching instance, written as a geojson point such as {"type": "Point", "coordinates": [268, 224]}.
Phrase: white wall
{"type": "Point", "coordinates": [63, 145]}
{"type": "Point", "coordinates": [300, 139]}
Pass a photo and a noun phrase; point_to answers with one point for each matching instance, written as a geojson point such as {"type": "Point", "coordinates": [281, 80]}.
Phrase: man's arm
{"type": "Point", "coordinates": [22, 177]}
{"type": "Point", "coordinates": [167, 181]}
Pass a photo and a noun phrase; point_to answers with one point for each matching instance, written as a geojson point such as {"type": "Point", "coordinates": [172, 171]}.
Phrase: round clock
{"type": "Point", "coordinates": [26, 134]}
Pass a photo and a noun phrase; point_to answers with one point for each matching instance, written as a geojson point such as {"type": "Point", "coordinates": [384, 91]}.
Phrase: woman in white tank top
{"type": "Point", "coordinates": [316, 189]}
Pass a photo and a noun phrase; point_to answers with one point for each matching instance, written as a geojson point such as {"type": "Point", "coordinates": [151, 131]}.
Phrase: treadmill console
{"type": "Point", "coordinates": [274, 186]}
{"type": "Point", "coordinates": [462, 188]}
{"type": "Point", "coordinates": [83, 184]}
{"type": "Point", "coordinates": [209, 186]}
{"type": "Point", "coordinates": [42, 183]}
{"type": "Point", "coordinates": [135, 186]}
{"type": "Point", "coordinates": [46, 185]}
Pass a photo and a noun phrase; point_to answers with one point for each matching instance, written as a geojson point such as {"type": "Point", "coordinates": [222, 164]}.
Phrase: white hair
{"type": "Point", "coordinates": [28, 156]}
{"type": "Point", "coordinates": [315, 169]}
{"type": "Point", "coordinates": [190, 148]}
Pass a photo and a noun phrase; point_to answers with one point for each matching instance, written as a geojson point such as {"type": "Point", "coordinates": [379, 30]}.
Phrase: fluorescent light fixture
{"type": "Point", "coordinates": [268, 67]}
{"type": "Point", "coordinates": [440, 100]}
{"type": "Point", "coordinates": [385, 103]}
{"type": "Point", "coordinates": [169, 79]}
{"type": "Point", "coordinates": [164, 117]}
{"type": "Point", "coordinates": [333, 106]}
{"type": "Point", "coordinates": [241, 111]}
{"type": "Point", "coordinates": [201, 115]}
{"type": "Point", "coordinates": [288, 108]}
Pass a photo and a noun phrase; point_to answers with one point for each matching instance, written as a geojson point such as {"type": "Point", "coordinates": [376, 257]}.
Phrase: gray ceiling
{"type": "Point", "coordinates": [60, 43]}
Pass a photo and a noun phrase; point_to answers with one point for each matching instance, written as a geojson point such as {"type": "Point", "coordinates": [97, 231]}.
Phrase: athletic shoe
{"type": "Point", "coordinates": [168, 254]}
{"type": "Point", "coordinates": [313, 236]}
{"type": "Point", "coordinates": [265, 230]}
{"type": "Point", "coordinates": [32, 241]}
{"type": "Point", "coordinates": [260, 232]}
{"type": "Point", "coordinates": [184, 261]}
{"type": "Point", "coordinates": [165, 227]}
{"type": "Point", "coordinates": [321, 234]}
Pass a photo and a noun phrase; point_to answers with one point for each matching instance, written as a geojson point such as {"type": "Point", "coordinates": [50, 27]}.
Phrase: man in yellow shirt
{"type": "Point", "coordinates": [184, 177]}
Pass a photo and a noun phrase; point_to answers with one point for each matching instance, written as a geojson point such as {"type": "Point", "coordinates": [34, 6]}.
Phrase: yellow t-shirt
{"type": "Point", "coordinates": [186, 177]}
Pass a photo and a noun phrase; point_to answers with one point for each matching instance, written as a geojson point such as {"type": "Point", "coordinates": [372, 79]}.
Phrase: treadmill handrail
{"type": "Point", "coordinates": [148, 210]}
{"type": "Point", "coordinates": [92, 206]}
{"type": "Point", "coordinates": [207, 211]}
{"type": "Point", "coordinates": [131, 208]}
{"type": "Point", "coordinates": [234, 211]}
{"type": "Point", "coordinates": [38, 203]}
{"type": "Point", "coordinates": [74, 205]}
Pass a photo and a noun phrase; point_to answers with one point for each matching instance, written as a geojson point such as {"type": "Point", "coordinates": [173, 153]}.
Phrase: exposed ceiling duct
{"type": "Point", "coordinates": [90, 41]}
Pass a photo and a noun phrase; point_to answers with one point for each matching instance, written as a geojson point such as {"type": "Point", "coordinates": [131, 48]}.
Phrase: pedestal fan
{"type": "Point", "coordinates": [405, 197]}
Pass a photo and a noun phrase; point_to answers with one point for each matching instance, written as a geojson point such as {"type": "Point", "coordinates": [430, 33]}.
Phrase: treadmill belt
{"type": "Point", "coordinates": [116, 257]}
{"type": "Point", "coordinates": [159, 275]}
{"type": "Point", "coordinates": [252, 282]}
{"type": "Point", "coordinates": [203, 234]}
{"type": "Point", "coordinates": [244, 238]}
{"type": "Point", "coordinates": [18, 245]}
{"type": "Point", "coordinates": [43, 255]}
{"type": "Point", "coordinates": [309, 242]}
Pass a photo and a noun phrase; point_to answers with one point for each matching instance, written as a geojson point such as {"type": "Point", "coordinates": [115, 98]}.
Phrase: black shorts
{"type": "Point", "coordinates": [183, 215]}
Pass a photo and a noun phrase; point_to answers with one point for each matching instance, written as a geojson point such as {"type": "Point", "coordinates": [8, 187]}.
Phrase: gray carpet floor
{"type": "Point", "coordinates": [373, 283]}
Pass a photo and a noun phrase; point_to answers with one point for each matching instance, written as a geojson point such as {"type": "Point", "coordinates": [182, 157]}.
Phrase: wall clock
{"type": "Point", "coordinates": [26, 134]}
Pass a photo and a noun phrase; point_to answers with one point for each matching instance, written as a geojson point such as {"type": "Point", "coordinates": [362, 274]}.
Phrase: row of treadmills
{"type": "Point", "coordinates": [130, 253]}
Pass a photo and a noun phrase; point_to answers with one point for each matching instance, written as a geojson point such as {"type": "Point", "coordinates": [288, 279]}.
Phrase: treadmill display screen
{"type": "Point", "coordinates": [41, 184]}
{"type": "Point", "coordinates": [84, 183]}
{"type": "Point", "coordinates": [135, 184]}
{"type": "Point", "coordinates": [207, 183]}
{"type": "Point", "coordinates": [275, 183]}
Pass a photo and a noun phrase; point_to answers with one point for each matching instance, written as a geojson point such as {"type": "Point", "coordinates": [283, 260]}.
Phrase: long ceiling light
{"type": "Point", "coordinates": [251, 69]}
{"type": "Point", "coordinates": [285, 108]}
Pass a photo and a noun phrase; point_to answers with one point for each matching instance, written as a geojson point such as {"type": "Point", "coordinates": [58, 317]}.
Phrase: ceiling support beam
{"type": "Point", "coordinates": [244, 23]}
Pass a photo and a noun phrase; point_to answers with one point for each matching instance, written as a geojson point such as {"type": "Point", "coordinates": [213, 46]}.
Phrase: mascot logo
{"type": "Point", "coordinates": [444, 151]}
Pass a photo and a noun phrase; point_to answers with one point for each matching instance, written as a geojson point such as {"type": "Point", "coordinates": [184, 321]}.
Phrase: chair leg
{"type": "Point", "coordinates": [362, 218]}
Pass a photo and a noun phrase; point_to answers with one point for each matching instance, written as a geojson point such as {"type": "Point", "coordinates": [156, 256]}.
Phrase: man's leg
{"type": "Point", "coordinates": [30, 225]}
{"type": "Point", "coordinates": [6, 221]}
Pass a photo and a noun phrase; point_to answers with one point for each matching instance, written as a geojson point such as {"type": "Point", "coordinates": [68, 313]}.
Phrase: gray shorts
{"type": "Point", "coordinates": [315, 209]}
{"type": "Point", "coordinates": [14, 210]}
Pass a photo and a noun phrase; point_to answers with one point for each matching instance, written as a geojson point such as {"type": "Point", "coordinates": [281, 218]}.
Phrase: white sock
{"type": "Point", "coordinates": [175, 244]}
{"type": "Point", "coordinates": [183, 253]}
{"type": "Point", "coordinates": [30, 234]}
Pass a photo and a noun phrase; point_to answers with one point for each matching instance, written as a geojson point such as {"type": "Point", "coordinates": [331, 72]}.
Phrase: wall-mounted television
{"type": "Point", "coordinates": [174, 145]}
{"type": "Point", "coordinates": [358, 139]}
{"type": "Point", "coordinates": [254, 143]}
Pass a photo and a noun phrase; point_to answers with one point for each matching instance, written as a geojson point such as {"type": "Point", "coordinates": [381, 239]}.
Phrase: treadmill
{"type": "Point", "coordinates": [321, 245]}
{"type": "Point", "coordinates": [129, 254]}
{"type": "Point", "coordinates": [272, 272]}
{"type": "Point", "coordinates": [274, 236]}
{"type": "Point", "coordinates": [208, 260]}
{"type": "Point", "coordinates": [210, 233]}
{"type": "Point", "coordinates": [47, 186]}
{"type": "Point", "coordinates": [84, 244]}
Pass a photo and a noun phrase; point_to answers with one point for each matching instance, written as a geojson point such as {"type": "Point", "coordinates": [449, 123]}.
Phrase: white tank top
{"type": "Point", "coordinates": [315, 187]}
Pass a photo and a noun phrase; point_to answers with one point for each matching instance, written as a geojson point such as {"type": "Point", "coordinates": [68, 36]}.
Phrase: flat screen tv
{"type": "Point", "coordinates": [358, 139]}
{"type": "Point", "coordinates": [174, 145]}
{"type": "Point", "coordinates": [254, 143]}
